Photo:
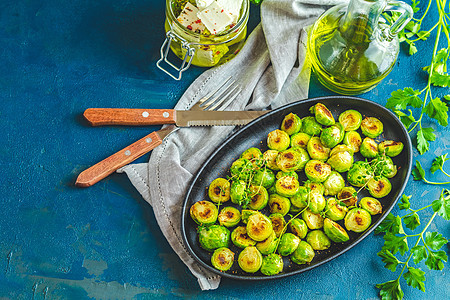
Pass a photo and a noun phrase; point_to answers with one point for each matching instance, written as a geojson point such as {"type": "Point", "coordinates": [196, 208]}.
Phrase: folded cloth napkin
{"type": "Point", "coordinates": [271, 70]}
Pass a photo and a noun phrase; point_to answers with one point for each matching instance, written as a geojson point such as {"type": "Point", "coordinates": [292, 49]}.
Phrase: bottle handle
{"type": "Point", "coordinates": [406, 15]}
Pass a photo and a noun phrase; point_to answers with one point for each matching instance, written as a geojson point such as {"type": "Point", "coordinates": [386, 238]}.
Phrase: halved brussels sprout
{"type": "Point", "coordinates": [341, 148]}
{"type": "Point", "coordinates": [263, 177]}
{"type": "Point", "coordinates": [317, 171]}
{"type": "Point", "coordinates": [213, 237]}
{"type": "Point", "coordinates": [259, 227]}
{"type": "Point", "coordinates": [278, 140]}
{"type": "Point", "coordinates": [310, 126]}
{"type": "Point", "coordinates": [300, 140]}
{"type": "Point", "coordinates": [204, 212]}
{"type": "Point", "coordinates": [219, 190]}
{"type": "Point", "coordinates": [270, 157]}
{"type": "Point", "coordinates": [303, 254]}
{"type": "Point", "coordinates": [291, 124]}
{"type": "Point", "coordinates": [335, 231]}
{"type": "Point", "coordinates": [240, 165]}
{"type": "Point", "coordinates": [294, 210]}
{"type": "Point", "coordinates": [240, 238]}
{"type": "Point", "coordinates": [238, 193]}
{"type": "Point", "coordinates": [288, 243]}
{"type": "Point", "coordinates": [334, 210]}
{"type": "Point", "coordinates": [250, 260]}
{"type": "Point", "coordinates": [269, 245]}
{"type": "Point", "coordinates": [334, 183]}
{"type": "Point", "coordinates": [359, 174]}
{"type": "Point", "coordinates": [318, 240]}
{"type": "Point", "coordinates": [317, 202]}
{"type": "Point", "coordinates": [322, 114]}
{"type": "Point", "coordinates": [348, 196]}
{"type": "Point", "coordinates": [317, 150]}
{"type": "Point", "coordinates": [358, 220]}
{"type": "Point", "coordinates": [298, 227]}
{"type": "Point", "coordinates": [300, 200]}
{"type": "Point", "coordinates": [272, 264]}
{"type": "Point", "coordinates": [251, 154]}
{"type": "Point", "coordinates": [229, 216]}
{"type": "Point", "coordinates": [369, 148]}
{"type": "Point", "coordinates": [371, 127]}
{"type": "Point", "coordinates": [304, 157]}
{"type": "Point", "coordinates": [385, 166]}
{"type": "Point", "coordinates": [312, 220]}
{"type": "Point", "coordinates": [372, 205]}
{"type": "Point", "coordinates": [258, 197]}
{"type": "Point", "coordinates": [390, 148]}
{"type": "Point", "coordinates": [350, 120]}
{"type": "Point", "coordinates": [353, 140]}
{"type": "Point", "coordinates": [331, 136]}
{"type": "Point", "coordinates": [379, 187]}
{"type": "Point", "coordinates": [245, 214]}
{"type": "Point", "coordinates": [282, 174]}
{"type": "Point", "coordinates": [342, 134]}
{"type": "Point", "coordinates": [222, 259]}
{"type": "Point", "coordinates": [341, 161]}
{"type": "Point", "coordinates": [279, 204]}
{"type": "Point", "coordinates": [278, 223]}
{"type": "Point", "coordinates": [291, 160]}
{"type": "Point", "coordinates": [315, 187]}
{"type": "Point", "coordinates": [287, 186]}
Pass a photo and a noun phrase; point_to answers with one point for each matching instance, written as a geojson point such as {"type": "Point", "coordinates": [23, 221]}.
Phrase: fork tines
{"type": "Point", "coordinates": [222, 97]}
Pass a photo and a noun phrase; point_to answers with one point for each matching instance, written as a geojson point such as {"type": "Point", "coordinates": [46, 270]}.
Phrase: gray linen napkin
{"type": "Point", "coordinates": [271, 70]}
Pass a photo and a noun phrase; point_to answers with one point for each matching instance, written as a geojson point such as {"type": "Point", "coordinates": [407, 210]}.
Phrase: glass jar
{"type": "Point", "coordinates": [197, 48]}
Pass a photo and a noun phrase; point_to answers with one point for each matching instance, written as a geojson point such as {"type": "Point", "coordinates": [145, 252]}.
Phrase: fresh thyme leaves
{"type": "Point", "coordinates": [438, 164]}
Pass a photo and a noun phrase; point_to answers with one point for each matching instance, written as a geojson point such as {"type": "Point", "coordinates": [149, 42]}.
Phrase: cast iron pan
{"type": "Point", "coordinates": [254, 134]}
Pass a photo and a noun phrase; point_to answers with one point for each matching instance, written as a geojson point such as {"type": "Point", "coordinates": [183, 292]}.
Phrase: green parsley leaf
{"type": "Point", "coordinates": [390, 261]}
{"type": "Point", "coordinates": [435, 240]}
{"type": "Point", "coordinates": [447, 97]}
{"type": "Point", "coordinates": [442, 80]}
{"type": "Point", "coordinates": [438, 110]}
{"type": "Point", "coordinates": [391, 224]}
{"type": "Point", "coordinates": [390, 290]}
{"type": "Point", "coordinates": [412, 221]}
{"type": "Point", "coordinates": [423, 136]}
{"type": "Point", "coordinates": [395, 243]}
{"type": "Point", "coordinates": [418, 172]}
{"type": "Point", "coordinates": [438, 163]}
{"type": "Point", "coordinates": [407, 120]}
{"type": "Point", "coordinates": [442, 206]}
{"type": "Point", "coordinates": [400, 99]}
{"type": "Point", "coordinates": [412, 48]}
{"type": "Point", "coordinates": [419, 253]}
{"type": "Point", "coordinates": [415, 278]}
{"type": "Point", "coordinates": [404, 202]}
{"type": "Point", "coordinates": [435, 260]}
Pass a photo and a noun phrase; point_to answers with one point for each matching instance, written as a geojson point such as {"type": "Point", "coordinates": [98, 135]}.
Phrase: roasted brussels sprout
{"type": "Point", "coordinates": [222, 259]}
{"type": "Point", "coordinates": [269, 245]}
{"type": "Point", "coordinates": [372, 205]}
{"type": "Point", "coordinates": [300, 200]}
{"type": "Point", "coordinates": [219, 190]}
{"type": "Point", "coordinates": [229, 216]}
{"type": "Point", "coordinates": [335, 231]}
{"type": "Point", "coordinates": [282, 174]}
{"type": "Point", "coordinates": [251, 154]}
{"type": "Point", "coordinates": [278, 140]}
{"type": "Point", "coordinates": [341, 148]}
{"type": "Point", "coordinates": [353, 140]}
{"type": "Point", "coordinates": [315, 187]}
{"type": "Point", "coordinates": [330, 136]}
{"type": "Point", "coordinates": [322, 114]}
{"type": "Point", "coordinates": [359, 174]}
{"type": "Point", "coordinates": [263, 177]}
{"type": "Point", "coordinates": [240, 165]}
{"type": "Point", "coordinates": [312, 220]}
{"type": "Point", "coordinates": [245, 214]}
{"type": "Point", "coordinates": [317, 202]}
{"type": "Point", "coordinates": [204, 212]}
{"type": "Point", "coordinates": [250, 260]}
{"type": "Point", "coordinates": [390, 148]}
{"type": "Point", "coordinates": [348, 196]}
{"type": "Point", "coordinates": [310, 126]}
{"type": "Point", "coordinates": [350, 120]}
{"type": "Point", "coordinates": [270, 157]}
{"type": "Point", "coordinates": [294, 210]}
{"type": "Point", "coordinates": [369, 148]}
{"type": "Point", "coordinates": [379, 187]}
{"type": "Point", "coordinates": [298, 227]}
{"type": "Point", "coordinates": [304, 157]}
{"type": "Point", "coordinates": [240, 238]}
{"type": "Point", "coordinates": [385, 166]}
{"type": "Point", "coordinates": [238, 193]}
{"type": "Point", "coordinates": [258, 197]}
{"type": "Point", "coordinates": [334, 210]}
{"type": "Point", "coordinates": [288, 243]}
{"type": "Point", "coordinates": [291, 124]}
{"type": "Point", "coordinates": [341, 161]}
{"type": "Point", "coordinates": [358, 220]}
{"type": "Point", "coordinates": [259, 227]}
{"type": "Point", "coordinates": [287, 186]}
{"type": "Point", "coordinates": [317, 150]}
{"type": "Point", "coordinates": [213, 237]}
{"type": "Point", "coordinates": [334, 183]}
{"type": "Point", "coordinates": [279, 204]}
{"type": "Point", "coordinates": [371, 127]}
{"type": "Point", "coordinates": [318, 240]}
{"type": "Point", "coordinates": [300, 140]}
{"type": "Point", "coordinates": [303, 254]}
{"type": "Point", "coordinates": [272, 264]}
{"type": "Point", "coordinates": [278, 223]}
{"type": "Point", "coordinates": [291, 159]}
{"type": "Point", "coordinates": [342, 132]}
{"type": "Point", "coordinates": [317, 171]}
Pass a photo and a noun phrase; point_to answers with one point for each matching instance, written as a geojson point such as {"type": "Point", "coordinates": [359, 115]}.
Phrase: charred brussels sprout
{"type": "Point", "coordinates": [335, 231]}
{"type": "Point", "coordinates": [317, 150]}
{"type": "Point", "coordinates": [250, 260]}
{"type": "Point", "coordinates": [246, 213]}
{"type": "Point", "coordinates": [315, 187]}
{"type": "Point", "coordinates": [291, 124]}
{"type": "Point", "coordinates": [204, 212]}
{"type": "Point", "coordinates": [258, 197]}
{"type": "Point", "coordinates": [312, 220]}
{"type": "Point", "coordinates": [353, 140]}
{"type": "Point", "coordinates": [379, 187]}
{"type": "Point", "coordinates": [298, 227]}
{"type": "Point", "coordinates": [358, 220]}
{"type": "Point", "coordinates": [240, 238]}
{"type": "Point", "coordinates": [371, 127]}
{"type": "Point", "coordinates": [278, 223]}
{"type": "Point", "coordinates": [372, 205]}
{"type": "Point", "coordinates": [291, 159]}
{"type": "Point", "coordinates": [341, 148]}
{"type": "Point", "coordinates": [269, 245]}
{"type": "Point", "coordinates": [300, 200]}
{"type": "Point", "coordinates": [272, 264]}
{"type": "Point", "coordinates": [270, 157]}
{"type": "Point", "coordinates": [348, 196]}
{"type": "Point", "coordinates": [385, 166]}
{"type": "Point", "coordinates": [278, 140]}
{"type": "Point", "coordinates": [317, 171]}
{"type": "Point", "coordinates": [300, 140]}
{"type": "Point", "coordinates": [334, 210]}
{"type": "Point", "coordinates": [238, 192]}
{"type": "Point", "coordinates": [263, 177]}
{"type": "Point", "coordinates": [251, 154]}
{"type": "Point", "coordinates": [322, 114]}
{"type": "Point", "coordinates": [304, 157]}
{"type": "Point", "coordinates": [330, 136]}
{"type": "Point", "coordinates": [318, 240]}
{"type": "Point", "coordinates": [259, 227]}
{"type": "Point", "coordinates": [287, 186]}
{"type": "Point", "coordinates": [359, 174]}
{"type": "Point", "coordinates": [219, 190]}
{"type": "Point", "coordinates": [310, 126]}
{"type": "Point", "coordinates": [334, 183]}
{"type": "Point", "coordinates": [283, 174]}
{"type": "Point", "coordinates": [317, 202]}
{"type": "Point", "coordinates": [390, 148]}
{"type": "Point", "coordinates": [222, 259]}
{"type": "Point", "coordinates": [369, 148]}
{"type": "Point", "coordinates": [213, 237]}
{"type": "Point", "coordinates": [350, 120]}
{"type": "Point", "coordinates": [288, 243]}
{"type": "Point", "coordinates": [303, 254]}
{"type": "Point", "coordinates": [341, 161]}
{"type": "Point", "coordinates": [229, 216]}
{"type": "Point", "coordinates": [279, 204]}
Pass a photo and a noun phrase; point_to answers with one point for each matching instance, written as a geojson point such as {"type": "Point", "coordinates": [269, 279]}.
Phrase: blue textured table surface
{"type": "Point", "coordinates": [60, 57]}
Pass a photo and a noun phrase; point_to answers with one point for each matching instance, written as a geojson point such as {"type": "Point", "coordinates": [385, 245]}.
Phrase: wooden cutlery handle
{"type": "Point", "coordinates": [133, 117]}
{"type": "Point", "coordinates": [125, 156]}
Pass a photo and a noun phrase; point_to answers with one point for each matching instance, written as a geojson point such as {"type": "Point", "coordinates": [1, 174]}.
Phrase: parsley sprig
{"type": "Point", "coordinates": [438, 164]}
